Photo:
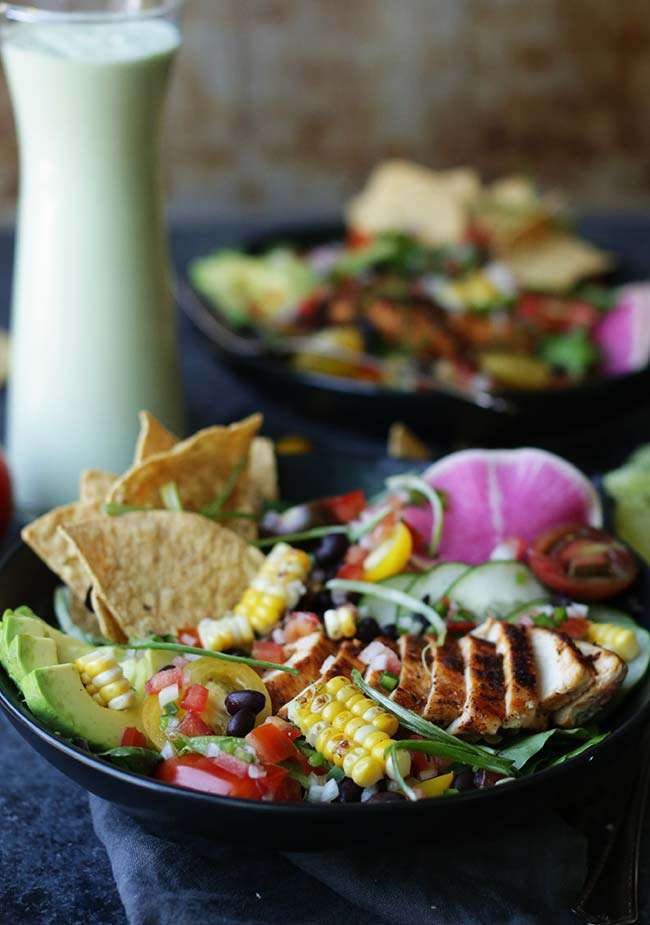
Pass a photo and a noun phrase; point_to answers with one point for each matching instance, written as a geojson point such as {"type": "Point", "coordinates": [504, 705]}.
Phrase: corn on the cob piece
{"type": "Point", "coordinates": [278, 586]}
{"type": "Point", "coordinates": [104, 680]}
{"type": "Point", "coordinates": [350, 730]}
{"type": "Point", "coordinates": [619, 639]}
{"type": "Point", "coordinates": [341, 622]}
{"type": "Point", "coordinates": [233, 631]}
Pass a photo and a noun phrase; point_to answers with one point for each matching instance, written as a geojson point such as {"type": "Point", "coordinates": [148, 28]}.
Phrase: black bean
{"type": "Point", "coordinates": [422, 620]}
{"type": "Point", "coordinates": [245, 700]}
{"type": "Point", "coordinates": [166, 667]}
{"type": "Point", "coordinates": [390, 631]}
{"type": "Point", "coordinates": [331, 549]}
{"type": "Point", "coordinates": [463, 780]}
{"type": "Point", "coordinates": [388, 796]}
{"type": "Point", "coordinates": [349, 792]}
{"type": "Point", "coordinates": [241, 723]}
{"type": "Point", "coordinates": [367, 629]}
{"type": "Point", "coordinates": [483, 779]}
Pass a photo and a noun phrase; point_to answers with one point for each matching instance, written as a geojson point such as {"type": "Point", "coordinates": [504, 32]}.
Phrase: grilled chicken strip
{"type": "Point", "coordinates": [307, 655]}
{"type": "Point", "coordinates": [519, 672]}
{"type": "Point", "coordinates": [484, 708]}
{"type": "Point", "coordinates": [563, 672]}
{"type": "Point", "coordinates": [447, 694]}
{"type": "Point", "coordinates": [342, 663]}
{"type": "Point", "coordinates": [412, 691]}
{"type": "Point", "coordinates": [610, 671]}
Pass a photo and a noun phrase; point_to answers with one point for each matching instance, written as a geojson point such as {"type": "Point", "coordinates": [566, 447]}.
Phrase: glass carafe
{"type": "Point", "coordinates": [93, 337]}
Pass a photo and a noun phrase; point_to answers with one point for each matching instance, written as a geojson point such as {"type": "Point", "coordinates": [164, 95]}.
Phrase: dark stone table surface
{"type": "Point", "coordinates": [52, 869]}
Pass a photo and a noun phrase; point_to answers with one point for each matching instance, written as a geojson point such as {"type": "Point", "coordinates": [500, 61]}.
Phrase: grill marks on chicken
{"type": "Point", "coordinates": [609, 672]}
{"type": "Point", "coordinates": [414, 684]}
{"type": "Point", "coordinates": [563, 673]}
{"type": "Point", "coordinates": [519, 672]}
{"type": "Point", "coordinates": [447, 693]}
{"type": "Point", "coordinates": [484, 708]}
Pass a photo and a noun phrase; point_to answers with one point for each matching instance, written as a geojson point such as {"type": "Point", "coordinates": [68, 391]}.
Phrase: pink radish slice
{"type": "Point", "coordinates": [624, 333]}
{"type": "Point", "coordinates": [494, 495]}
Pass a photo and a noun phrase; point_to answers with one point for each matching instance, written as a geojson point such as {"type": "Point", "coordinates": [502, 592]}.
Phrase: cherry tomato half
{"type": "Point", "coordinates": [585, 563]}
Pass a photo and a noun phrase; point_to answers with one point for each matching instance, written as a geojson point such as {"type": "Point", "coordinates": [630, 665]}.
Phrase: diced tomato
{"type": "Point", "coordinates": [163, 679]}
{"type": "Point", "coordinates": [576, 627]}
{"type": "Point", "coordinates": [356, 239]}
{"type": "Point", "coordinates": [268, 651]}
{"type": "Point", "coordinates": [277, 785]}
{"type": "Point", "coordinates": [231, 764]}
{"type": "Point", "coordinates": [300, 623]}
{"type": "Point", "coordinates": [345, 508]}
{"type": "Point", "coordinates": [271, 743]}
{"type": "Point", "coordinates": [195, 698]}
{"type": "Point", "coordinates": [556, 315]}
{"type": "Point", "coordinates": [193, 725]}
{"type": "Point", "coordinates": [196, 772]}
{"type": "Point", "coordinates": [310, 306]}
{"type": "Point", "coordinates": [133, 738]}
{"type": "Point", "coordinates": [351, 571]}
{"type": "Point", "coordinates": [288, 728]}
{"type": "Point", "coordinates": [189, 636]}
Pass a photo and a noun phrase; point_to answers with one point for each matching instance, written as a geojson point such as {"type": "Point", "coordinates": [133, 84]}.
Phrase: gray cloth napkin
{"type": "Point", "coordinates": [513, 874]}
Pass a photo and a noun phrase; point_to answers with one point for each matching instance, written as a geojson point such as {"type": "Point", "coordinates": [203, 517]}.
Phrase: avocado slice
{"type": "Point", "coordinates": [23, 622]}
{"type": "Point", "coordinates": [25, 653]}
{"type": "Point", "coordinates": [57, 697]}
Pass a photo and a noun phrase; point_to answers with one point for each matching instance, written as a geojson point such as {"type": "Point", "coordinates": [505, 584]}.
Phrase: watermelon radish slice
{"type": "Point", "coordinates": [624, 333]}
{"type": "Point", "coordinates": [495, 495]}
{"type": "Point", "coordinates": [496, 588]}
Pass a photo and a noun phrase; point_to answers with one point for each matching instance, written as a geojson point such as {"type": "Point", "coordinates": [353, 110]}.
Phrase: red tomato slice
{"type": "Point", "coordinates": [195, 698]}
{"type": "Point", "coordinates": [576, 627]}
{"type": "Point", "coordinates": [556, 315]}
{"type": "Point", "coordinates": [585, 563]}
{"type": "Point", "coordinates": [345, 508]}
{"type": "Point", "coordinates": [163, 679]}
{"type": "Point", "coordinates": [133, 738]}
{"type": "Point", "coordinates": [193, 725]}
{"type": "Point", "coordinates": [196, 772]}
{"type": "Point", "coordinates": [268, 651]}
{"type": "Point", "coordinates": [271, 743]}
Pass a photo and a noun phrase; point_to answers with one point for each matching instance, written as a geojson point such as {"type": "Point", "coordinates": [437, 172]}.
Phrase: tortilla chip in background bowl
{"type": "Point", "coordinates": [555, 261]}
{"type": "Point", "coordinates": [200, 467]}
{"type": "Point", "coordinates": [156, 571]}
{"type": "Point", "coordinates": [434, 206]}
{"type": "Point", "coordinates": [153, 438]}
{"type": "Point", "coordinates": [95, 484]}
{"type": "Point", "coordinates": [44, 537]}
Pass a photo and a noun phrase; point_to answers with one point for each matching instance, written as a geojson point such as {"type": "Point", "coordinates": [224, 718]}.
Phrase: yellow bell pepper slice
{"type": "Point", "coordinates": [435, 786]}
{"type": "Point", "coordinates": [391, 556]}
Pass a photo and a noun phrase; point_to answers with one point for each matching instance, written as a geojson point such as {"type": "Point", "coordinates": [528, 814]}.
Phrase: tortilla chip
{"type": "Point", "coordinates": [200, 467]}
{"type": "Point", "coordinates": [404, 444]}
{"type": "Point", "coordinates": [152, 439]}
{"type": "Point", "coordinates": [109, 626]}
{"type": "Point", "coordinates": [95, 484]}
{"type": "Point", "coordinates": [401, 196]}
{"type": "Point", "coordinates": [52, 547]}
{"type": "Point", "coordinates": [555, 261]}
{"type": "Point", "coordinates": [155, 571]}
{"type": "Point", "coordinates": [83, 618]}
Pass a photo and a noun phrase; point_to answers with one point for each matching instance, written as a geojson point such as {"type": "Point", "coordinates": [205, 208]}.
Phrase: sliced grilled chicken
{"type": "Point", "coordinates": [563, 672]}
{"type": "Point", "coordinates": [484, 708]}
{"type": "Point", "coordinates": [307, 655]}
{"type": "Point", "coordinates": [609, 673]}
{"type": "Point", "coordinates": [447, 693]}
{"type": "Point", "coordinates": [414, 684]}
{"type": "Point", "coordinates": [519, 673]}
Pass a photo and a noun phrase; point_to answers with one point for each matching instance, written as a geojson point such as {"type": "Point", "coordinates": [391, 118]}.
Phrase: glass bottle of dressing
{"type": "Point", "coordinates": [93, 337]}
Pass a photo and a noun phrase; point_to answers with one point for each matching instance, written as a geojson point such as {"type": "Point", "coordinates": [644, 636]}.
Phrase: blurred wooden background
{"type": "Point", "coordinates": [284, 105]}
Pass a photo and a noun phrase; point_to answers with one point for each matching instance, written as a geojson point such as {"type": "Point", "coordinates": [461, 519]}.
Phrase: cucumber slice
{"type": "Point", "coordinates": [637, 667]}
{"type": "Point", "coordinates": [435, 583]}
{"type": "Point", "coordinates": [496, 589]}
{"type": "Point", "coordinates": [385, 612]}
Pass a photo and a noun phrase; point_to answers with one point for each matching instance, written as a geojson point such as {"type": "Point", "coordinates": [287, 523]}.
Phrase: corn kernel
{"type": "Point", "coordinates": [619, 639]}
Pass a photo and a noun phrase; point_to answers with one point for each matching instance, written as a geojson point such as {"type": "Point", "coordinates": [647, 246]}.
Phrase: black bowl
{"type": "Point", "coordinates": [508, 417]}
{"type": "Point", "coordinates": [163, 808]}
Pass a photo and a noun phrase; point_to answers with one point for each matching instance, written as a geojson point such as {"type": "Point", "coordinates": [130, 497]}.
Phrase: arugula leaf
{"type": "Point", "coordinates": [133, 758]}
{"type": "Point", "coordinates": [573, 352]}
{"type": "Point", "coordinates": [578, 751]}
{"type": "Point", "coordinates": [521, 752]}
{"type": "Point", "coordinates": [446, 745]}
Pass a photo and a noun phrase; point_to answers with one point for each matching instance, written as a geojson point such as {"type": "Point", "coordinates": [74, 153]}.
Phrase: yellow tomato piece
{"type": "Point", "coordinates": [151, 714]}
{"type": "Point", "coordinates": [391, 556]}
{"type": "Point", "coordinates": [435, 786]}
{"type": "Point", "coordinates": [221, 678]}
